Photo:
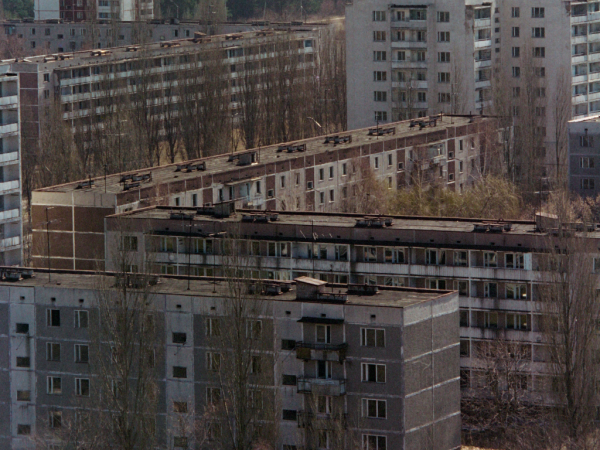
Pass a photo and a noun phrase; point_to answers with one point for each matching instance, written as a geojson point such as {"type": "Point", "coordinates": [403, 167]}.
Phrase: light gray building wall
{"type": "Point", "coordinates": [584, 162]}
{"type": "Point", "coordinates": [311, 331]}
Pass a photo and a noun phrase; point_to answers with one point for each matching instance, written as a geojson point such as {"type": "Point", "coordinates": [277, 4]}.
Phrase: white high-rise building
{"type": "Point", "coordinates": [79, 10]}
{"type": "Point", "coordinates": [421, 58]}
{"type": "Point", "coordinates": [11, 230]}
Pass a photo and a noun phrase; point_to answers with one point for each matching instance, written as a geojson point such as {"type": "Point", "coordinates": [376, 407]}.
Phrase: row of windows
{"type": "Point", "coordinates": [536, 12]}
{"type": "Point", "coordinates": [81, 320]}
{"type": "Point", "coordinates": [536, 32]}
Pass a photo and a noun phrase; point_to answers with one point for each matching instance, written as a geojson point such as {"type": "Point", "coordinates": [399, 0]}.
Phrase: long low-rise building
{"type": "Point", "coordinates": [499, 269]}
{"type": "Point", "coordinates": [320, 174]}
{"type": "Point", "coordinates": [380, 366]}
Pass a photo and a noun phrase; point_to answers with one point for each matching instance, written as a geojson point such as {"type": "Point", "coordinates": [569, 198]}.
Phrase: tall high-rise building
{"type": "Point", "coordinates": [80, 10]}
{"type": "Point", "coordinates": [537, 62]}
{"type": "Point", "coordinates": [10, 171]}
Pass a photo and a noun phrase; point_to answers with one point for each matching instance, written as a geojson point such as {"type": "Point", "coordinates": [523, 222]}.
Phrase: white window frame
{"type": "Point", "coordinates": [365, 373]}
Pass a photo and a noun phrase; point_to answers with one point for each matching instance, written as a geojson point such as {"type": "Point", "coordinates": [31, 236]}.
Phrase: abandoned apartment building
{"type": "Point", "coordinates": [376, 365]}
{"type": "Point", "coordinates": [313, 174]}
{"type": "Point", "coordinates": [496, 268]}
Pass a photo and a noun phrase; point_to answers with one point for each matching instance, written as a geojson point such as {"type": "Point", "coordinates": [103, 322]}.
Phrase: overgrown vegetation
{"type": "Point", "coordinates": [16, 9]}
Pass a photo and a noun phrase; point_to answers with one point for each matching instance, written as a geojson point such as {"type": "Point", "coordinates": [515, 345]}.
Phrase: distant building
{"type": "Point", "coordinates": [56, 36]}
{"type": "Point", "coordinates": [314, 174]}
{"type": "Point", "coordinates": [80, 10]}
{"type": "Point", "coordinates": [497, 268]}
{"type": "Point", "coordinates": [387, 358]}
{"type": "Point", "coordinates": [584, 159]}
{"type": "Point", "coordinates": [11, 219]}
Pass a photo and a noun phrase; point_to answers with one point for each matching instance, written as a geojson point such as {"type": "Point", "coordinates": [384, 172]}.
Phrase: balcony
{"type": "Point", "coordinates": [10, 243]}
{"type": "Point", "coordinates": [10, 128]}
{"type": "Point", "coordinates": [10, 101]}
{"type": "Point", "coordinates": [9, 157]}
{"type": "Point", "coordinates": [483, 43]}
{"type": "Point", "coordinates": [322, 421]}
{"type": "Point", "coordinates": [9, 214]}
{"type": "Point", "coordinates": [321, 386]}
{"type": "Point", "coordinates": [8, 186]}
{"type": "Point", "coordinates": [309, 351]}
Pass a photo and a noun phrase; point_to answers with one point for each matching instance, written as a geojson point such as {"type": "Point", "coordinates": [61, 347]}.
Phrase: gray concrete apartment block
{"type": "Point", "coordinates": [419, 350]}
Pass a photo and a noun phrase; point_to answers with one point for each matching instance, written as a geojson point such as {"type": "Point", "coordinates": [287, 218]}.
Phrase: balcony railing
{"type": "Point", "coordinates": [10, 242]}
{"type": "Point", "coordinates": [9, 214]}
{"type": "Point", "coordinates": [9, 185]}
{"type": "Point", "coordinates": [7, 157]}
{"type": "Point", "coordinates": [319, 351]}
{"type": "Point", "coordinates": [322, 421]}
{"type": "Point", "coordinates": [322, 386]}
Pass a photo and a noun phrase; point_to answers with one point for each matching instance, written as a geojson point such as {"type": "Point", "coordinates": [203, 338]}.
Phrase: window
{"type": "Point", "coordinates": [435, 257]}
{"type": "Point", "coordinates": [254, 329]}
{"type": "Point", "coordinates": [288, 380]}
{"type": "Point", "coordinates": [418, 14]}
{"type": "Point", "coordinates": [443, 36]}
{"type": "Point", "coordinates": [379, 16]}
{"type": "Point", "coordinates": [213, 395]}
{"type": "Point", "coordinates": [538, 32]}
{"type": "Point", "coordinates": [444, 97]}
{"type": "Point", "coordinates": [81, 319]}
{"type": "Point", "coordinates": [372, 337]}
{"type": "Point", "coordinates": [323, 334]}
{"type": "Point", "coordinates": [82, 387]}
{"type": "Point", "coordinates": [82, 353]}
{"type": "Point", "coordinates": [54, 419]}
{"type": "Point", "coordinates": [54, 385]}
{"type": "Point", "coordinates": [376, 162]}
{"type": "Point", "coordinates": [23, 396]}
{"type": "Point", "coordinates": [180, 442]}
{"type": "Point", "coordinates": [379, 36]}
{"type": "Point", "coordinates": [289, 414]}
{"type": "Point", "coordinates": [443, 16]}
{"type": "Point", "coordinates": [180, 407]}
{"type": "Point", "coordinates": [490, 259]}
{"type": "Point", "coordinates": [374, 409]}
{"type": "Point", "coordinates": [380, 116]}
{"type": "Point", "coordinates": [179, 338]}
{"type": "Point", "coordinates": [129, 243]}
{"type": "Point", "coordinates": [444, 57]}
{"type": "Point", "coordinates": [517, 321]}
{"type": "Point", "coordinates": [213, 361]}
{"type": "Point", "coordinates": [374, 442]}
{"type": "Point", "coordinates": [539, 52]}
{"type": "Point", "coordinates": [23, 430]}
{"type": "Point", "coordinates": [22, 328]}
{"type": "Point", "coordinates": [255, 364]}
{"type": "Point", "coordinates": [373, 373]}
{"type": "Point", "coordinates": [167, 244]}
{"type": "Point", "coordinates": [421, 96]}
{"type": "Point", "coordinates": [516, 32]}
{"type": "Point", "coordinates": [516, 291]}
{"type": "Point", "coordinates": [516, 52]}
{"type": "Point", "coordinates": [379, 76]}
{"type": "Point", "coordinates": [394, 255]}
{"type": "Point", "coordinates": [380, 96]}
{"type": "Point", "coordinates": [514, 261]}
{"type": "Point", "coordinates": [515, 12]}
{"type": "Point", "coordinates": [370, 254]}
{"type": "Point", "coordinates": [490, 319]}
{"type": "Point", "coordinates": [52, 351]}
{"type": "Point", "coordinates": [23, 361]}
{"type": "Point", "coordinates": [587, 183]}
{"type": "Point", "coordinates": [379, 55]}
{"type": "Point", "coordinates": [288, 344]}
{"type": "Point", "coordinates": [324, 369]}
{"type": "Point", "coordinates": [321, 174]}
{"type": "Point", "coordinates": [461, 258]}
{"type": "Point", "coordinates": [537, 13]}
{"type": "Point", "coordinates": [490, 290]}
{"type": "Point", "coordinates": [179, 372]}
{"type": "Point", "coordinates": [586, 162]}
{"type": "Point", "coordinates": [516, 72]}
{"type": "Point", "coordinates": [443, 77]}
{"type": "Point", "coordinates": [53, 317]}
{"type": "Point", "coordinates": [341, 253]}
{"type": "Point", "coordinates": [586, 141]}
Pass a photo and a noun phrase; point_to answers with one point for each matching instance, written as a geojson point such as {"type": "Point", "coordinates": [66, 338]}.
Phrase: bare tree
{"type": "Point", "coordinates": [562, 114]}
{"type": "Point", "coordinates": [572, 314]}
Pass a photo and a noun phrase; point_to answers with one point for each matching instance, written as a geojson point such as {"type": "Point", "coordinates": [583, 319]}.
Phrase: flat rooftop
{"type": "Point", "coordinates": [393, 297]}
{"type": "Point", "coordinates": [219, 164]}
{"type": "Point", "coordinates": [86, 58]}
{"type": "Point", "coordinates": [334, 220]}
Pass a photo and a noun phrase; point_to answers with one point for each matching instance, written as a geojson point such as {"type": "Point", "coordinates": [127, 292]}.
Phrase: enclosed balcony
{"type": "Point", "coordinates": [311, 351]}
{"type": "Point", "coordinates": [322, 386]}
